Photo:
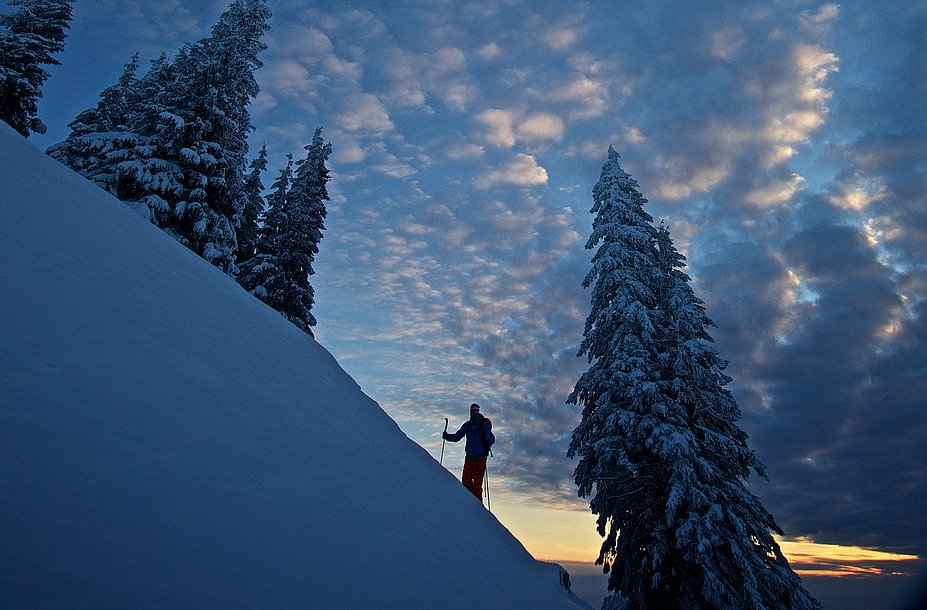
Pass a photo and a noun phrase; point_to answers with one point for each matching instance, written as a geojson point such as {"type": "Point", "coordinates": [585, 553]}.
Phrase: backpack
{"type": "Point", "coordinates": [487, 447]}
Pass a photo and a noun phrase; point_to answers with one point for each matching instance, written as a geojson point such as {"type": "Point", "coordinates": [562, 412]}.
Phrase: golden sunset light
{"type": "Point", "coordinates": [570, 536]}
{"type": "Point", "coordinates": [810, 558]}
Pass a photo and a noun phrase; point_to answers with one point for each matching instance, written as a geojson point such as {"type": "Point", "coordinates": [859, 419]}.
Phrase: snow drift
{"type": "Point", "coordinates": [168, 440]}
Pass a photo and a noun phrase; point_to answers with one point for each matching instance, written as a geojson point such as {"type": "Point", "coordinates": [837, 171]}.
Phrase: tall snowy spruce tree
{"type": "Point", "coordinates": [208, 136]}
{"type": "Point", "coordinates": [278, 273]}
{"type": "Point", "coordinates": [252, 209]}
{"type": "Point", "coordinates": [181, 156]}
{"type": "Point", "coordinates": [660, 450]}
{"type": "Point", "coordinates": [28, 39]}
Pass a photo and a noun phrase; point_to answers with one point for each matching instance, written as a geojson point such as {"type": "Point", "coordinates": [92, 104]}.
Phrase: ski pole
{"type": "Point", "coordinates": [486, 483]}
{"type": "Point", "coordinates": [443, 442]}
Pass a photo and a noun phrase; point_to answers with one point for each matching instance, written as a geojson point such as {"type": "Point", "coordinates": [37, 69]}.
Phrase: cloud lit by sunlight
{"type": "Point", "coordinates": [523, 171]}
{"type": "Point", "coordinates": [541, 126]}
{"type": "Point", "coordinates": [775, 193]}
{"type": "Point", "coordinates": [856, 198]}
{"type": "Point", "coordinates": [810, 558]}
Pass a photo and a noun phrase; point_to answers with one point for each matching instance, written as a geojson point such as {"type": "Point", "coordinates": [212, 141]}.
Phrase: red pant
{"type": "Point", "coordinates": [473, 476]}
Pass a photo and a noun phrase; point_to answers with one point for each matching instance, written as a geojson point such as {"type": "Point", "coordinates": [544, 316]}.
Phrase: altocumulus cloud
{"type": "Point", "coordinates": [522, 170]}
{"type": "Point", "coordinates": [541, 126]}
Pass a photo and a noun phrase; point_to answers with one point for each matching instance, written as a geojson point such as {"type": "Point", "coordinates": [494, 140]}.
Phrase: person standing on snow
{"type": "Point", "coordinates": [480, 438]}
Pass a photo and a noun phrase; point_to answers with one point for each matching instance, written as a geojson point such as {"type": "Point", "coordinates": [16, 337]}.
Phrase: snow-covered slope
{"type": "Point", "coordinates": [166, 440]}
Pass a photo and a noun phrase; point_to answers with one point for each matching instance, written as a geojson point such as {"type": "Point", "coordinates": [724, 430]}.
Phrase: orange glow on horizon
{"type": "Point", "coordinates": [809, 558]}
{"type": "Point", "coordinates": [565, 536]}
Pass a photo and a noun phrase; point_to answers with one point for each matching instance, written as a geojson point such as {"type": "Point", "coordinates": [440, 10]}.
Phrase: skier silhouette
{"type": "Point", "coordinates": [478, 430]}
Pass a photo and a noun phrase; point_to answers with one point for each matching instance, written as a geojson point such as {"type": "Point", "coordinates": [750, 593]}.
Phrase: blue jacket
{"type": "Point", "coordinates": [478, 443]}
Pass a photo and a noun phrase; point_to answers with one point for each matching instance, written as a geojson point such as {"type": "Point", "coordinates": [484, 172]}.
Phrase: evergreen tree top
{"type": "Point", "coordinates": [617, 188]}
{"type": "Point", "coordinates": [113, 110]}
{"type": "Point", "coordinates": [258, 166]}
{"type": "Point", "coordinates": [311, 173]}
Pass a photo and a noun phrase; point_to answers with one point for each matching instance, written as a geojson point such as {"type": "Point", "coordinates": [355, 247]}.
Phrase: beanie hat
{"type": "Point", "coordinates": [474, 408]}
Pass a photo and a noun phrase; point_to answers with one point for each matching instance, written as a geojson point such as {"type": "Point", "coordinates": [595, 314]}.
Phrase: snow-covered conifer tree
{"type": "Point", "coordinates": [660, 450]}
{"type": "Point", "coordinates": [253, 208]}
{"type": "Point", "coordinates": [201, 136]}
{"type": "Point", "coordinates": [28, 39]}
{"type": "Point", "coordinates": [261, 275]}
{"type": "Point", "coordinates": [183, 155]}
{"type": "Point", "coordinates": [98, 131]}
{"type": "Point", "coordinates": [306, 204]}
{"type": "Point", "coordinates": [274, 218]}
{"type": "Point", "coordinates": [114, 110]}
{"type": "Point", "coordinates": [279, 272]}
{"type": "Point", "coordinates": [119, 144]}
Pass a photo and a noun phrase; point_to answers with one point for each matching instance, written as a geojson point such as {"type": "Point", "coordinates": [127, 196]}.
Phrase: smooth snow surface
{"type": "Point", "coordinates": [166, 440]}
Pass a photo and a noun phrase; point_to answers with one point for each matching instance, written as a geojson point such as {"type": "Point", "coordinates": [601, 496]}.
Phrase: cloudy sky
{"type": "Point", "coordinates": [784, 142]}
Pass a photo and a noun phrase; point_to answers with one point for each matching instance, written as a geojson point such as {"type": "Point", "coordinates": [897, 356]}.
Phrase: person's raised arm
{"type": "Point", "coordinates": [457, 435]}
